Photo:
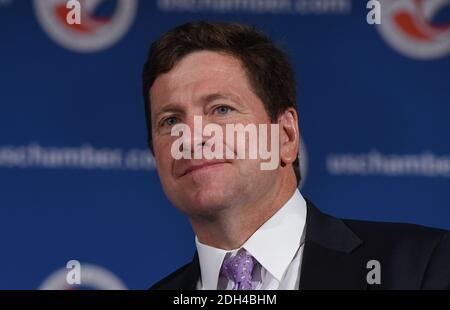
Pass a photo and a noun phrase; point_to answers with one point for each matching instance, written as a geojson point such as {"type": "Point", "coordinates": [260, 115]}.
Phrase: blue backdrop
{"type": "Point", "coordinates": [76, 179]}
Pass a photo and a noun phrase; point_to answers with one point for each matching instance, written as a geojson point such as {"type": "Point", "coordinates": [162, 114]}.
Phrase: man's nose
{"type": "Point", "coordinates": [196, 140]}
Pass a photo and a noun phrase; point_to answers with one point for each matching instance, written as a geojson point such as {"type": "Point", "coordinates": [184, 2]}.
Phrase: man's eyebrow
{"type": "Point", "coordinates": [220, 95]}
{"type": "Point", "coordinates": [174, 108]}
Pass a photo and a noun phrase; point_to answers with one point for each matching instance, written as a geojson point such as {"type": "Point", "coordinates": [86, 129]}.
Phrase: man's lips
{"type": "Point", "coordinates": [200, 166]}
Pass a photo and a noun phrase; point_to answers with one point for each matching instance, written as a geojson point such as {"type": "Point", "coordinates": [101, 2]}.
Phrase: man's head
{"type": "Point", "coordinates": [228, 74]}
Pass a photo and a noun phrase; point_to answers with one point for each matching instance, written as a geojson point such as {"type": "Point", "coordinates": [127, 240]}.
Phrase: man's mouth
{"type": "Point", "coordinates": [202, 166]}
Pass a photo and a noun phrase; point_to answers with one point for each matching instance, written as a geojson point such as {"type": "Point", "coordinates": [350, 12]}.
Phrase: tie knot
{"type": "Point", "coordinates": [239, 269]}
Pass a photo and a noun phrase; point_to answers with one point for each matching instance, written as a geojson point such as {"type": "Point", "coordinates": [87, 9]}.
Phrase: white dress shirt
{"type": "Point", "coordinates": [277, 245]}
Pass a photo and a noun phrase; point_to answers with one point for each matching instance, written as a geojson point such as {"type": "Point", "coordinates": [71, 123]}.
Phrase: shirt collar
{"type": "Point", "coordinates": [210, 259]}
{"type": "Point", "coordinates": [273, 245]}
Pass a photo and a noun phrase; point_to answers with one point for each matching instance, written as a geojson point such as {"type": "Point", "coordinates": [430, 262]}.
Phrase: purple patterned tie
{"type": "Point", "coordinates": [239, 270]}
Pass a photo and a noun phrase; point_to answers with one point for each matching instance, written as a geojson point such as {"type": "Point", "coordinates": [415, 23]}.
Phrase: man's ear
{"type": "Point", "coordinates": [289, 136]}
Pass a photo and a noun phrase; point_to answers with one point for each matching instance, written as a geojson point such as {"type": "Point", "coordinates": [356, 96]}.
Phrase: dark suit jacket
{"type": "Point", "coordinates": [336, 253]}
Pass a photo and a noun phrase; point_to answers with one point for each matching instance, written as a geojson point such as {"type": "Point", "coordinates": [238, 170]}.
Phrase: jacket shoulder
{"type": "Point", "coordinates": [167, 282]}
{"type": "Point", "coordinates": [394, 232]}
{"type": "Point", "coordinates": [413, 256]}
{"type": "Point", "coordinates": [184, 278]}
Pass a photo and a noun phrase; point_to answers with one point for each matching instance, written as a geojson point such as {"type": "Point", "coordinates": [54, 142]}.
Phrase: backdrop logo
{"type": "Point", "coordinates": [407, 25]}
{"type": "Point", "coordinates": [91, 277]}
{"type": "Point", "coordinates": [94, 33]}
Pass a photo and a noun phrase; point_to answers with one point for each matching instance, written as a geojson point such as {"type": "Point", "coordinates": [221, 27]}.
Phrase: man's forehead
{"type": "Point", "coordinates": [202, 65]}
{"type": "Point", "coordinates": [194, 78]}
{"type": "Point", "coordinates": [208, 60]}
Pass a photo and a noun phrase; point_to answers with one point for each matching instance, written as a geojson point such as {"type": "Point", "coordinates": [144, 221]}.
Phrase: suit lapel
{"type": "Point", "coordinates": [184, 278]}
{"type": "Point", "coordinates": [327, 261]}
{"type": "Point", "coordinates": [188, 279]}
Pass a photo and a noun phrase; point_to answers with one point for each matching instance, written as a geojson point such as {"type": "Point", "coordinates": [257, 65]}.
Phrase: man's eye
{"type": "Point", "coordinates": [222, 110]}
{"type": "Point", "coordinates": [170, 121]}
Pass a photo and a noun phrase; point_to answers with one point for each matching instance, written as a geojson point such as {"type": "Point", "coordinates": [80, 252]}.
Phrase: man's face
{"type": "Point", "coordinates": [214, 86]}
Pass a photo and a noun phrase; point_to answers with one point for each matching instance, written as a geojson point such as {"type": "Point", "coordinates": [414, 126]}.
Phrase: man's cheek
{"type": "Point", "coordinates": [162, 163]}
{"type": "Point", "coordinates": [162, 149]}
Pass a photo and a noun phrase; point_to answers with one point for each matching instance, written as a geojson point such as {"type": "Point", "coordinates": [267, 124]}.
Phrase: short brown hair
{"type": "Point", "coordinates": [267, 67]}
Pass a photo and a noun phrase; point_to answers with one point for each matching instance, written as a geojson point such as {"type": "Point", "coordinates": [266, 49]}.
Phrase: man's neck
{"type": "Point", "coordinates": [233, 226]}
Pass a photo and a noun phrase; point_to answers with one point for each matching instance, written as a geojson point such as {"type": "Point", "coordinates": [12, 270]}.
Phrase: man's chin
{"type": "Point", "coordinates": [208, 202]}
